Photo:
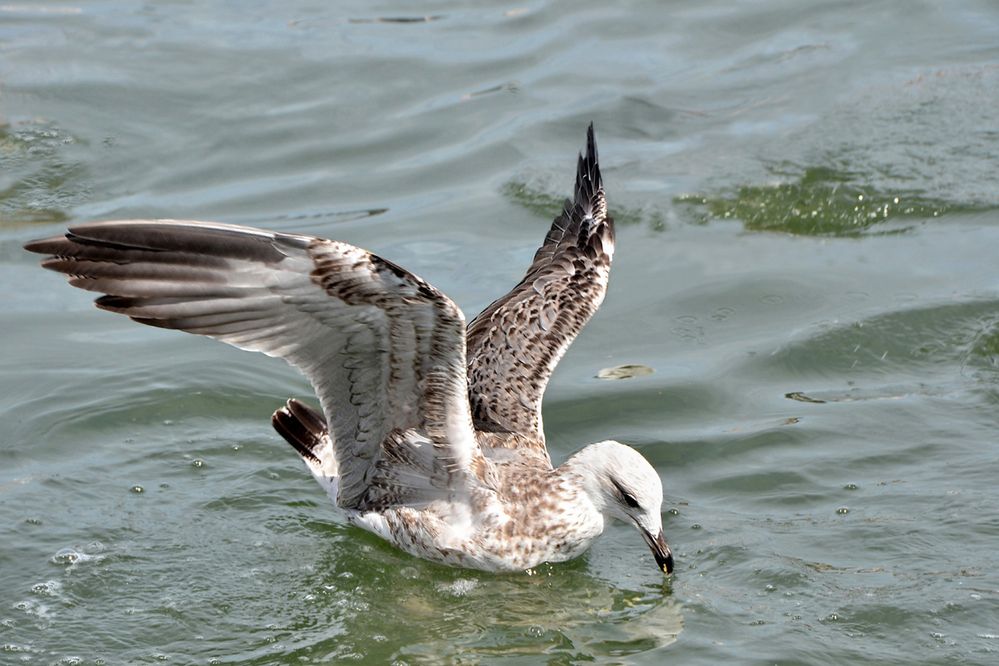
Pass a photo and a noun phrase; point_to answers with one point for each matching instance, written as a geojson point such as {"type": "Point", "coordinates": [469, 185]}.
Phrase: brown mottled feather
{"type": "Point", "coordinates": [515, 343]}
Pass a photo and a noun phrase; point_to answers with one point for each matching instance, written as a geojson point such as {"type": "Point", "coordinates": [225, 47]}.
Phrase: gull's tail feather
{"type": "Point", "coordinates": [303, 427]}
{"type": "Point", "coordinates": [308, 433]}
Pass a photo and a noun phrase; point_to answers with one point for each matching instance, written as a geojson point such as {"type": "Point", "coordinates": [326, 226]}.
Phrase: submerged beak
{"type": "Point", "coordinates": [660, 550]}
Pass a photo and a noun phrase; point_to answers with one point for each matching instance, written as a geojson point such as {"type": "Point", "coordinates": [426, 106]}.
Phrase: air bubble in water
{"type": "Point", "coordinates": [49, 588]}
{"type": "Point", "coordinates": [67, 556]}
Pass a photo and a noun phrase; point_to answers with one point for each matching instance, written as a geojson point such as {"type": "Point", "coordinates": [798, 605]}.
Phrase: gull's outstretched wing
{"type": "Point", "coordinates": [515, 343]}
{"type": "Point", "coordinates": [384, 350]}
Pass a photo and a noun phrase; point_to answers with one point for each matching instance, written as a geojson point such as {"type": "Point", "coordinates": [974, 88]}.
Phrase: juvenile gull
{"type": "Point", "coordinates": [430, 434]}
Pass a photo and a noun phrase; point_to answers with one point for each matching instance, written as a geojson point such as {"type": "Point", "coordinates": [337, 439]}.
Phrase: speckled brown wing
{"type": "Point", "coordinates": [515, 343]}
{"type": "Point", "coordinates": [383, 349]}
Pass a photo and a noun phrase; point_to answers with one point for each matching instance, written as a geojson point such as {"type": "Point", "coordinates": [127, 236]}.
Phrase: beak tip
{"type": "Point", "coordinates": [665, 563]}
{"type": "Point", "coordinates": [662, 553]}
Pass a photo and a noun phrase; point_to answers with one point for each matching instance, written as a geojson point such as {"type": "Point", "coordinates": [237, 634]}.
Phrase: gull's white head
{"type": "Point", "coordinates": [622, 484]}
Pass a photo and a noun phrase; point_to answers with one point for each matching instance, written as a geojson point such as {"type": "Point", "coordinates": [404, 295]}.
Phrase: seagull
{"type": "Point", "coordinates": [430, 433]}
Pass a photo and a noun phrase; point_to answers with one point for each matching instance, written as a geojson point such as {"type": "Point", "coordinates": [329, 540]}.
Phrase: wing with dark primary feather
{"type": "Point", "coordinates": [515, 343]}
{"type": "Point", "coordinates": [383, 349]}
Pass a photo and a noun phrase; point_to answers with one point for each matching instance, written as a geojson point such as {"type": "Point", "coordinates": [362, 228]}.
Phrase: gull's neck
{"type": "Point", "coordinates": [581, 474]}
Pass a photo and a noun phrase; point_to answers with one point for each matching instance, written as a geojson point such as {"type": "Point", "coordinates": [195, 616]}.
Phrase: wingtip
{"type": "Point", "coordinates": [44, 245]}
{"type": "Point", "coordinates": [590, 158]}
{"type": "Point", "coordinates": [588, 179]}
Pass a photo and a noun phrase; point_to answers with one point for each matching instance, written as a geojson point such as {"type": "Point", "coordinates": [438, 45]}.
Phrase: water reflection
{"type": "Point", "coordinates": [439, 613]}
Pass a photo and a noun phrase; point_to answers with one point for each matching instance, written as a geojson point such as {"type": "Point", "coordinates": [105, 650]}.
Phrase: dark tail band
{"type": "Point", "coordinates": [302, 426]}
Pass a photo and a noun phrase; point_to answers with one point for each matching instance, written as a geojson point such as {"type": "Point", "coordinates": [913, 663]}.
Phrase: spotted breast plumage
{"type": "Point", "coordinates": [430, 433]}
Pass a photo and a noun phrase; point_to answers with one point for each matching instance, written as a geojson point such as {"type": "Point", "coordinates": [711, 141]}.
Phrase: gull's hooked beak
{"type": "Point", "coordinates": [660, 550]}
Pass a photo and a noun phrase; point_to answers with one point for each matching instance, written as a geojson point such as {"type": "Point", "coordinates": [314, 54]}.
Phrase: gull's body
{"type": "Point", "coordinates": [430, 434]}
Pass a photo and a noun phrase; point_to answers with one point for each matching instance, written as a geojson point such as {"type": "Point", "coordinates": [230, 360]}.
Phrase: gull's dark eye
{"type": "Point", "coordinates": [628, 498]}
